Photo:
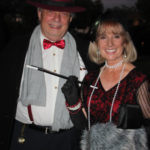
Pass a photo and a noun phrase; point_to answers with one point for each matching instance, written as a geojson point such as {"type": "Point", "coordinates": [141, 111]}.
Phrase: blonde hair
{"type": "Point", "coordinates": [114, 27]}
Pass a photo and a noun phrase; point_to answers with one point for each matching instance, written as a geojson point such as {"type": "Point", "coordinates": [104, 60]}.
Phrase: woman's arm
{"type": "Point", "coordinates": [74, 104]}
{"type": "Point", "coordinates": [79, 120]}
{"type": "Point", "coordinates": [143, 96]}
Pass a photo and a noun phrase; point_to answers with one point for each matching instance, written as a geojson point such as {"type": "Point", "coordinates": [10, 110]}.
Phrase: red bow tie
{"type": "Point", "coordinates": [47, 44]}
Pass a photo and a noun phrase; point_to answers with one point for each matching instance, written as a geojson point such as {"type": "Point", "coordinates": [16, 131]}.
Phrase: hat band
{"type": "Point", "coordinates": [60, 4]}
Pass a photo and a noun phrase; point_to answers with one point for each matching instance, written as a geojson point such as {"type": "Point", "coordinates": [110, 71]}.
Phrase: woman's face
{"type": "Point", "coordinates": [111, 44]}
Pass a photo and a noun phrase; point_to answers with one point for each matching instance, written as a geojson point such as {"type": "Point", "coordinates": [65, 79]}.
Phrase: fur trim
{"type": "Point", "coordinates": [109, 137]}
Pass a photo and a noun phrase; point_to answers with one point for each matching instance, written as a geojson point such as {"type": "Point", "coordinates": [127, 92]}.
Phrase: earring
{"type": "Point", "coordinates": [124, 54]}
{"type": "Point", "coordinates": [98, 55]}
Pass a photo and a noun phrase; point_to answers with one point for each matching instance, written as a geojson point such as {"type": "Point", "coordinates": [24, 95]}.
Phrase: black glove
{"type": "Point", "coordinates": [71, 90]}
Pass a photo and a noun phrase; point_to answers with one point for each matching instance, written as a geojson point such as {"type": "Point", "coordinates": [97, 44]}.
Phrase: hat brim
{"type": "Point", "coordinates": [57, 8]}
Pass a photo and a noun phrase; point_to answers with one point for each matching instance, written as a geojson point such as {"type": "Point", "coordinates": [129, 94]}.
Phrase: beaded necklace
{"type": "Point", "coordinates": [114, 66]}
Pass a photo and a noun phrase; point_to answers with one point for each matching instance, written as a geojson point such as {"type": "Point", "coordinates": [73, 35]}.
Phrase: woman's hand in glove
{"type": "Point", "coordinates": [71, 90]}
{"type": "Point", "coordinates": [74, 105]}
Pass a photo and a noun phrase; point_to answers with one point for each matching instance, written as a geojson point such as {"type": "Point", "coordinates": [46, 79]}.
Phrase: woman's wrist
{"type": "Point", "coordinates": [73, 109]}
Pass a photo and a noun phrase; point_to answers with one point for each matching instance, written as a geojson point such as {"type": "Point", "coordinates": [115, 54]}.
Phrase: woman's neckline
{"type": "Point", "coordinates": [107, 90]}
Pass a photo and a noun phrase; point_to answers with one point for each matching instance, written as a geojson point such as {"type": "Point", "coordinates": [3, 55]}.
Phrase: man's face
{"type": "Point", "coordinates": [54, 24]}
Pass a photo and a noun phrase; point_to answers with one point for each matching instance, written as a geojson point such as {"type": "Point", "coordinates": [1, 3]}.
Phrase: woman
{"type": "Point", "coordinates": [118, 82]}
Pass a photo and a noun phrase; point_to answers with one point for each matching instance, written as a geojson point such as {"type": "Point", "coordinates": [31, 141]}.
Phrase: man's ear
{"type": "Point", "coordinates": [70, 19]}
{"type": "Point", "coordinates": [39, 13]}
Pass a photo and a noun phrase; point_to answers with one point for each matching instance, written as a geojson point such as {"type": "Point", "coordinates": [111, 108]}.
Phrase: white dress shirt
{"type": "Point", "coordinates": [44, 116]}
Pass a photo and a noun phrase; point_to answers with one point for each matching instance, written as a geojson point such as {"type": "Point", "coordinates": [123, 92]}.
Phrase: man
{"type": "Point", "coordinates": [34, 98]}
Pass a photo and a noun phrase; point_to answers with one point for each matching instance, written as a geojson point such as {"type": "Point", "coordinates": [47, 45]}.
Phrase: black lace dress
{"type": "Point", "coordinates": [133, 89]}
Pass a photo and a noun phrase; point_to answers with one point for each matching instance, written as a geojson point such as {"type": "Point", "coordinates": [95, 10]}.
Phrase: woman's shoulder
{"type": "Point", "coordinates": [91, 75]}
{"type": "Point", "coordinates": [136, 76]}
{"type": "Point", "coordinates": [133, 70]}
{"type": "Point", "coordinates": [138, 73]}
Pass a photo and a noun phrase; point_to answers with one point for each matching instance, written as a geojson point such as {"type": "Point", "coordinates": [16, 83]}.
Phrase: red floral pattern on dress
{"type": "Point", "coordinates": [101, 100]}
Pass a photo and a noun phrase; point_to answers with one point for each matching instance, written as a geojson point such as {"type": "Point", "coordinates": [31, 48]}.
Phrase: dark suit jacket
{"type": "Point", "coordinates": [12, 60]}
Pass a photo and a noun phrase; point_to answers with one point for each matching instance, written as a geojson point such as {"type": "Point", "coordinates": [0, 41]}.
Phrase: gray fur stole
{"type": "Point", "coordinates": [109, 137]}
